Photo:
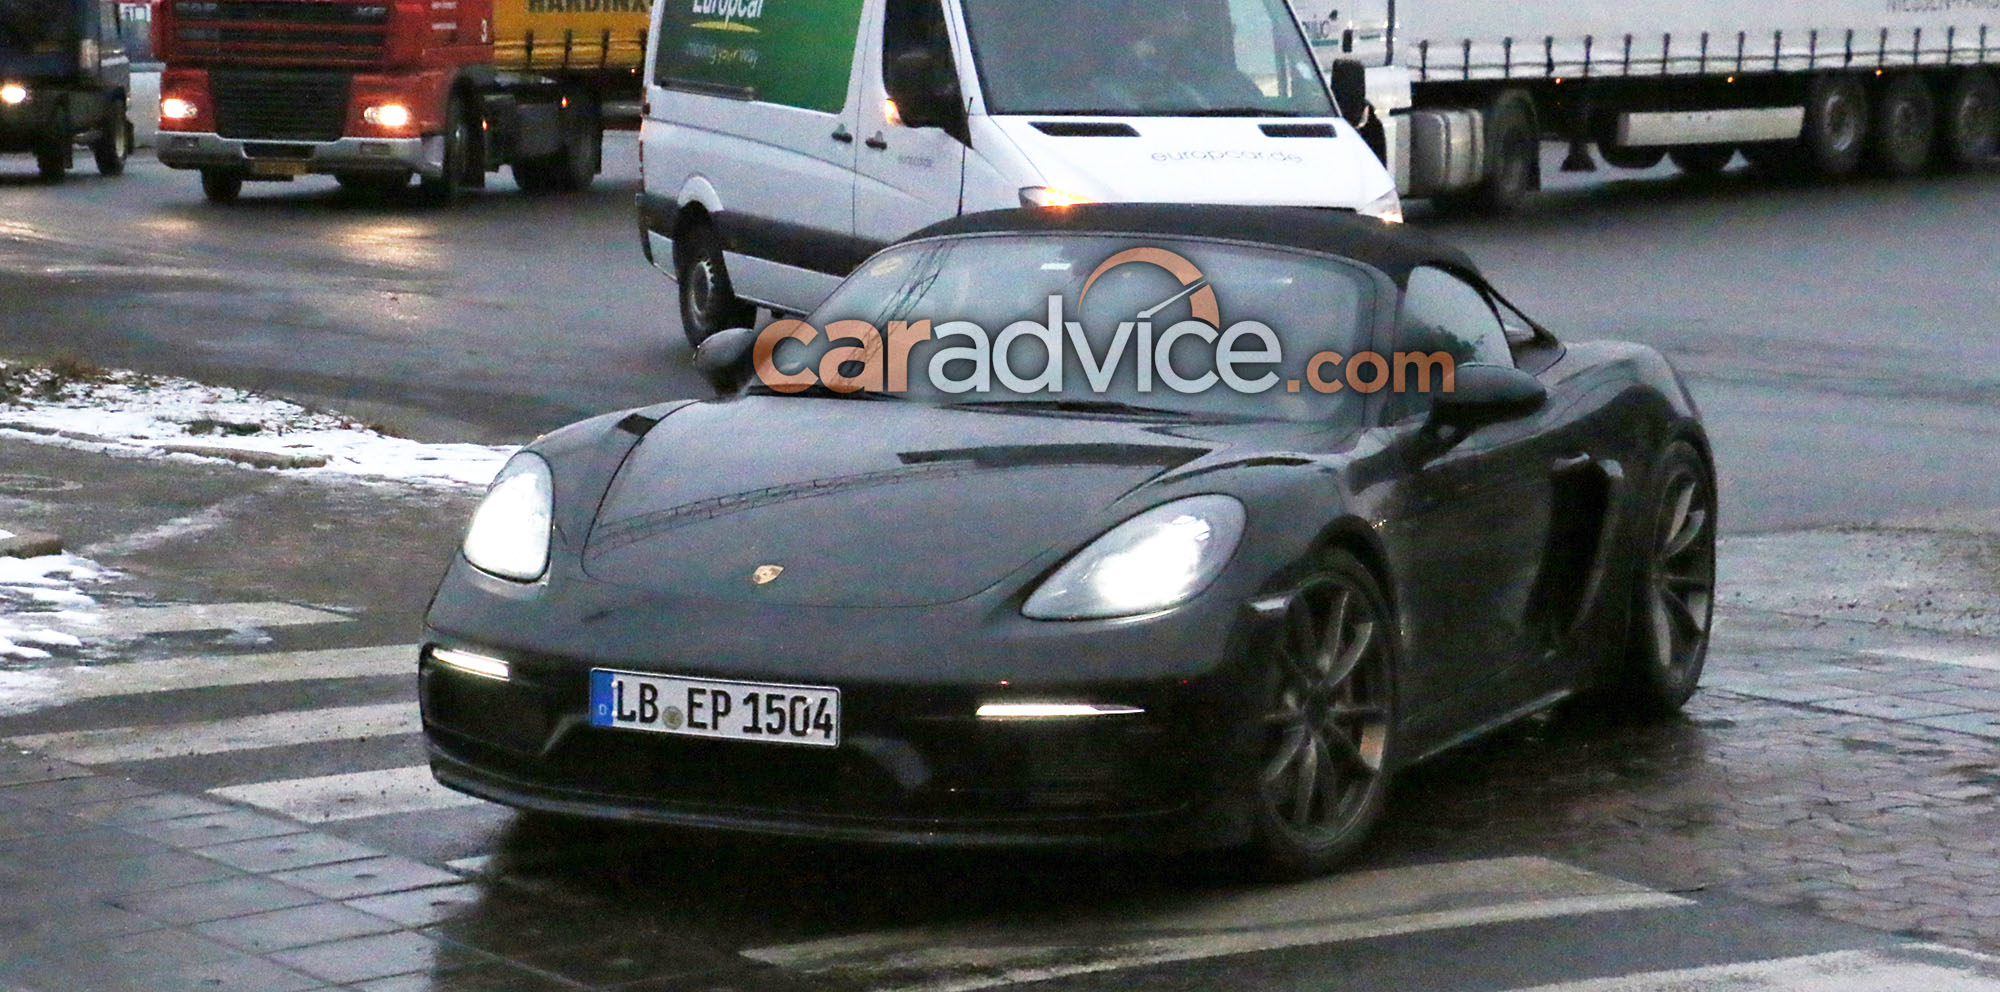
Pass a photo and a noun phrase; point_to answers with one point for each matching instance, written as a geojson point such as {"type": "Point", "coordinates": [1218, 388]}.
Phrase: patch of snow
{"type": "Point", "coordinates": [29, 587]}
{"type": "Point", "coordinates": [131, 413]}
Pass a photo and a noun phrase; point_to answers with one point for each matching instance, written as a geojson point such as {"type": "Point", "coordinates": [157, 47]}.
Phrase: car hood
{"type": "Point", "coordinates": [863, 503]}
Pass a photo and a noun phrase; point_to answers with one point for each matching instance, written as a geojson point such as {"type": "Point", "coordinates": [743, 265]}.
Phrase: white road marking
{"type": "Point", "coordinates": [135, 621]}
{"type": "Point", "coordinates": [1355, 906]}
{"type": "Point", "coordinates": [328, 798]}
{"type": "Point", "coordinates": [99, 747]}
{"type": "Point", "coordinates": [1944, 654]}
{"type": "Point", "coordinates": [1910, 968]}
{"type": "Point", "coordinates": [210, 671]}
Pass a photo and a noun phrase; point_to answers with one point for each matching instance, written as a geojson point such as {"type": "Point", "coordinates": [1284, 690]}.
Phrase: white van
{"type": "Point", "coordinates": [786, 140]}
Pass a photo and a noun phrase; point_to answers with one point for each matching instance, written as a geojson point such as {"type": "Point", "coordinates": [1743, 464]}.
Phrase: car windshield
{"type": "Point", "coordinates": [1144, 58]}
{"type": "Point", "coordinates": [1167, 327]}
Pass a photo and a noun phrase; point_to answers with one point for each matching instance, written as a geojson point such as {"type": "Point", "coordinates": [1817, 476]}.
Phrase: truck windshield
{"type": "Point", "coordinates": [1155, 58]}
{"type": "Point", "coordinates": [29, 25]}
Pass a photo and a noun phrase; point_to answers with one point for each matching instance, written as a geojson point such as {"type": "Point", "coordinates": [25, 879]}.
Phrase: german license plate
{"type": "Point", "coordinates": [738, 711]}
{"type": "Point", "coordinates": [277, 168]}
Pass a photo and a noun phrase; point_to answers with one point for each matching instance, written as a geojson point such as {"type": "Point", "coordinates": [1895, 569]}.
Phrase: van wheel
{"type": "Point", "coordinates": [1703, 161]}
{"type": "Point", "coordinates": [1905, 128]}
{"type": "Point", "coordinates": [114, 141]}
{"type": "Point", "coordinates": [708, 302]}
{"type": "Point", "coordinates": [1970, 125]}
{"type": "Point", "coordinates": [221, 185]}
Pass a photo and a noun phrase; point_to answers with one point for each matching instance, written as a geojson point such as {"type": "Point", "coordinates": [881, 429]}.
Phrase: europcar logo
{"type": "Point", "coordinates": [732, 13]}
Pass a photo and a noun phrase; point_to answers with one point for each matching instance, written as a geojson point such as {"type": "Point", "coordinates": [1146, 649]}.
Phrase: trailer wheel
{"type": "Point", "coordinates": [114, 141]}
{"type": "Point", "coordinates": [575, 164]}
{"type": "Point", "coordinates": [1514, 155]}
{"type": "Point", "coordinates": [1836, 126]}
{"type": "Point", "coordinates": [1703, 161]}
{"type": "Point", "coordinates": [709, 304]}
{"type": "Point", "coordinates": [1905, 126]}
{"type": "Point", "coordinates": [442, 190]}
{"type": "Point", "coordinates": [1621, 157]}
{"type": "Point", "coordinates": [1971, 120]}
{"type": "Point", "coordinates": [221, 185]}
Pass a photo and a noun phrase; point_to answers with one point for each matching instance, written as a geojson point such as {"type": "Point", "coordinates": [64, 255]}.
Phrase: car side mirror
{"type": "Point", "coordinates": [1486, 394]}
{"type": "Point", "coordinates": [924, 91]}
{"type": "Point", "coordinates": [724, 359]}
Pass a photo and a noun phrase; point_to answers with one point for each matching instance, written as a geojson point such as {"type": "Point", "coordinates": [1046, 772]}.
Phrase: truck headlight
{"type": "Point", "coordinates": [1152, 562]}
{"type": "Point", "coordinates": [509, 535]}
{"type": "Point", "coordinates": [389, 115]}
{"type": "Point", "coordinates": [1387, 208]}
{"type": "Point", "coordinates": [174, 108]}
{"type": "Point", "coordinates": [13, 93]}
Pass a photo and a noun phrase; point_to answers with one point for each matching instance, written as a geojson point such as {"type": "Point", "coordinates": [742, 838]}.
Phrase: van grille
{"type": "Point", "coordinates": [286, 106]}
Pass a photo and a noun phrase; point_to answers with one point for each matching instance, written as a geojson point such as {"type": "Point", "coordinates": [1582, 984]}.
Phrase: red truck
{"type": "Point", "coordinates": [374, 92]}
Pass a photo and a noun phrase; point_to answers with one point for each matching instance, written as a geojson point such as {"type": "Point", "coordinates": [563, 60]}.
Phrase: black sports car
{"type": "Point", "coordinates": [896, 587]}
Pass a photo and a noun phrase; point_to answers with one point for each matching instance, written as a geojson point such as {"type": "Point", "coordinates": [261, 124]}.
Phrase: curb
{"type": "Point", "coordinates": [244, 456]}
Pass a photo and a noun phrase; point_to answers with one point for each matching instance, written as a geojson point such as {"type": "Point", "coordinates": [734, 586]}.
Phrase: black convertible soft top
{"type": "Point", "coordinates": [1392, 248]}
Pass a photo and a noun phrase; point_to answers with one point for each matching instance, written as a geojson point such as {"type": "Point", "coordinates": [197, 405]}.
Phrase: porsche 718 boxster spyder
{"type": "Point", "coordinates": [1162, 526]}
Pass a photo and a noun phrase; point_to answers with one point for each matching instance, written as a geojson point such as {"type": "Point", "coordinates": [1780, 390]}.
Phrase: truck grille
{"type": "Point", "coordinates": [287, 32]}
{"type": "Point", "coordinates": [286, 106]}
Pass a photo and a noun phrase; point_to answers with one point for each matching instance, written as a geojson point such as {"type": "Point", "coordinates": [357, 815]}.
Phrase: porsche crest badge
{"type": "Point", "coordinates": [766, 574]}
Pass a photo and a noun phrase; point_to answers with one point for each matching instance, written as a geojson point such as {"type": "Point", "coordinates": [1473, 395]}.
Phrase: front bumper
{"type": "Point", "coordinates": [281, 159]}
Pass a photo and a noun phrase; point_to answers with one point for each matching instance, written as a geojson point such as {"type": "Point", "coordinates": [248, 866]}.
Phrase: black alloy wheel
{"type": "Point", "coordinates": [1674, 586]}
{"type": "Point", "coordinates": [1324, 770]}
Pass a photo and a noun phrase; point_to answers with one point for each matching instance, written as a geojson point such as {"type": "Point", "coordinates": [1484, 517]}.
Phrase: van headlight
{"type": "Point", "coordinates": [1155, 561]}
{"type": "Point", "coordinates": [509, 536]}
{"type": "Point", "coordinates": [1387, 208]}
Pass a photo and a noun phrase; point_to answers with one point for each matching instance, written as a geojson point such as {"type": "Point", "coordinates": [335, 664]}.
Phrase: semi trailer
{"type": "Point", "coordinates": [375, 92]}
{"type": "Point", "coordinates": [1457, 95]}
{"type": "Point", "coordinates": [63, 82]}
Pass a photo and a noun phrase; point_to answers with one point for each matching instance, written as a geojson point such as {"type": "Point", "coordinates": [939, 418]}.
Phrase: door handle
{"type": "Point", "coordinates": [1571, 462]}
{"type": "Point", "coordinates": [843, 135]}
{"type": "Point", "coordinates": [878, 142]}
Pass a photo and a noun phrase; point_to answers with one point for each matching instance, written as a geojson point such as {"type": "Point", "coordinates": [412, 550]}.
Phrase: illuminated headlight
{"type": "Point", "coordinates": [390, 115]}
{"type": "Point", "coordinates": [1152, 562]}
{"type": "Point", "coordinates": [475, 664]}
{"type": "Point", "coordinates": [13, 93]}
{"type": "Point", "coordinates": [174, 108]}
{"type": "Point", "coordinates": [509, 536]}
{"type": "Point", "coordinates": [1049, 196]}
{"type": "Point", "coordinates": [1387, 208]}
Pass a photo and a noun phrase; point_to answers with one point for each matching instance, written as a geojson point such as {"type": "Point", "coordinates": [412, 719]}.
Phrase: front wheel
{"type": "Point", "coordinates": [1673, 588]}
{"type": "Point", "coordinates": [114, 142]}
{"type": "Point", "coordinates": [221, 185]}
{"type": "Point", "coordinates": [443, 189]}
{"type": "Point", "coordinates": [1323, 773]}
{"type": "Point", "coordinates": [709, 304]}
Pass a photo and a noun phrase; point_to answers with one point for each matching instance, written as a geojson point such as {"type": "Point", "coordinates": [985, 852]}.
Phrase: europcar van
{"type": "Point", "coordinates": [786, 140]}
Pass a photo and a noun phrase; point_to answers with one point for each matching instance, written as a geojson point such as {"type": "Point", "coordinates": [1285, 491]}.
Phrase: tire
{"type": "Point", "coordinates": [1904, 126]}
{"type": "Point", "coordinates": [1835, 134]}
{"type": "Point", "coordinates": [1702, 161]}
{"type": "Point", "coordinates": [1514, 155]}
{"type": "Point", "coordinates": [575, 165]}
{"type": "Point", "coordinates": [51, 162]}
{"type": "Point", "coordinates": [114, 142]}
{"type": "Point", "coordinates": [1969, 124]}
{"type": "Point", "coordinates": [1673, 587]}
{"type": "Point", "coordinates": [708, 302]}
{"type": "Point", "coordinates": [221, 185]}
{"type": "Point", "coordinates": [1322, 771]}
{"type": "Point", "coordinates": [443, 189]}
{"type": "Point", "coordinates": [1620, 157]}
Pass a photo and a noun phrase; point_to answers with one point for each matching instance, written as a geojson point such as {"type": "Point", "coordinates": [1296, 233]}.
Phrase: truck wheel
{"type": "Point", "coordinates": [1703, 161]}
{"type": "Point", "coordinates": [708, 302]}
{"type": "Point", "coordinates": [1621, 157]}
{"type": "Point", "coordinates": [114, 141]}
{"type": "Point", "coordinates": [1905, 128]}
{"type": "Point", "coordinates": [576, 163]}
{"type": "Point", "coordinates": [442, 190]}
{"type": "Point", "coordinates": [1514, 155]}
{"type": "Point", "coordinates": [1970, 125]}
{"type": "Point", "coordinates": [221, 185]}
{"type": "Point", "coordinates": [1836, 126]}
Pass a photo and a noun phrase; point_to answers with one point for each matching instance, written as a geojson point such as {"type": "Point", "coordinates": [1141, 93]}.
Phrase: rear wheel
{"type": "Point", "coordinates": [709, 304]}
{"type": "Point", "coordinates": [1514, 144]}
{"type": "Point", "coordinates": [1836, 126]}
{"type": "Point", "coordinates": [1969, 127]}
{"type": "Point", "coordinates": [1703, 161]}
{"type": "Point", "coordinates": [1673, 589]}
{"type": "Point", "coordinates": [1905, 126]}
{"type": "Point", "coordinates": [1323, 773]}
{"type": "Point", "coordinates": [114, 141]}
{"type": "Point", "coordinates": [221, 185]}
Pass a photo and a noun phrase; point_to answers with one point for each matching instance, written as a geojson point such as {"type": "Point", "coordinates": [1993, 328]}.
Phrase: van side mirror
{"type": "Point", "coordinates": [724, 359]}
{"type": "Point", "coordinates": [925, 91]}
{"type": "Point", "coordinates": [1486, 394]}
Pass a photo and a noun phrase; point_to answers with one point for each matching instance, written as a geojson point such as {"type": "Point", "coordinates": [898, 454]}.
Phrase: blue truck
{"type": "Point", "coordinates": [64, 78]}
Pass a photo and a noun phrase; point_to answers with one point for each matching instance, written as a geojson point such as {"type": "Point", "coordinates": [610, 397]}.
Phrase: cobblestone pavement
{"type": "Point", "coordinates": [1848, 769]}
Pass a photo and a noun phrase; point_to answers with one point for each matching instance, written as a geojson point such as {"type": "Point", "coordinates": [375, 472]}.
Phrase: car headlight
{"type": "Point", "coordinates": [1152, 562]}
{"type": "Point", "coordinates": [509, 536]}
{"type": "Point", "coordinates": [1387, 208]}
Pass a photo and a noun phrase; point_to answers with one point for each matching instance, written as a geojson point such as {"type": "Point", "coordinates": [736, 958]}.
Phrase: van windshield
{"type": "Point", "coordinates": [1155, 58]}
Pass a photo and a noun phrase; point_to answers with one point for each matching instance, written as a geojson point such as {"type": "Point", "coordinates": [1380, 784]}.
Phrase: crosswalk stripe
{"type": "Point", "coordinates": [1356, 906]}
{"type": "Point", "coordinates": [135, 621]}
{"type": "Point", "coordinates": [1910, 968]}
{"type": "Point", "coordinates": [329, 798]}
{"type": "Point", "coordinates": [99, 747]}
{"type": "Point", "coordinates": [209, 671]}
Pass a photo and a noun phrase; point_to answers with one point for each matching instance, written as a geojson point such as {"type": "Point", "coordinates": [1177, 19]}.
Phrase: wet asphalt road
{"type": "Point", "coordinates": [1841, 340]}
